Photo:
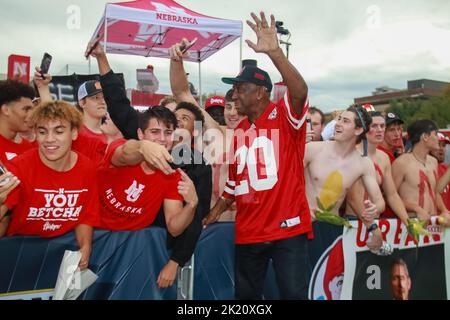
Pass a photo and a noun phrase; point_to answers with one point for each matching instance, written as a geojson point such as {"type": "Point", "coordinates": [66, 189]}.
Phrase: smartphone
{"type": "Point", "coordinates": [45, 64]}
{"type": "Point", "coordinates": [92, 48]}
{"type": "Point", "coordinates": [183, 49]}
{"type": "Point", "coordinates": [308, 129]}
{"type": "Point", "coordinates": [308, 124]}
{"type": "Point", "coordinates": [2, 172]}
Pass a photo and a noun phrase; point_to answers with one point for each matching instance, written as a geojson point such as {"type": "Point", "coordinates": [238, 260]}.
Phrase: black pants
{"type": "Point", "coordinates": [290, 261]}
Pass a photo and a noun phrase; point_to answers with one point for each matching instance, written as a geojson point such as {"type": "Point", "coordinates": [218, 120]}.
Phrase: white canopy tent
{"type": "Point", "coordinates": [149, 27]}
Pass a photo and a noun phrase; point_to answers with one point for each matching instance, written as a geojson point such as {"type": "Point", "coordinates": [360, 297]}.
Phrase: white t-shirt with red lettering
{"type": "Point", "coordinates": [48, 203]}
{"type": "Point", "coordinates": [267, 176]}
{"type": "Point", "coordinates": [130, 198]}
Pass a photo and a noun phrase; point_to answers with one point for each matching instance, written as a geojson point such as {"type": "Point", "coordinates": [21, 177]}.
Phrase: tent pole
{"type": "Point", "coordinates": [200, 80]}
{"type": "Point", "coordinates": [106, 33]}
{"type": "Point", "coordinates": [240, 54]}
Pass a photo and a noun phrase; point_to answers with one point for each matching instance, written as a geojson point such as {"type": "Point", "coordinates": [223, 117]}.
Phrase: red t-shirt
{"type": "Point", "coordinates": [48, 203]}
{"type": "Point", "coordinates": [269, 190]}
{"type": "Point", "coordinates": [446, 193]}
{"type": "Point", "coordinates": [10, 149]}
{"type": "Point", "coordinates": [92, 145]}
{"type": "Point", "coordinates": [129, 198]}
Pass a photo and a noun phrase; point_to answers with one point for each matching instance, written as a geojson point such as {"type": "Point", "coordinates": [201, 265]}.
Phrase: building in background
{"type": "Point", "coordinates": [417, 89]}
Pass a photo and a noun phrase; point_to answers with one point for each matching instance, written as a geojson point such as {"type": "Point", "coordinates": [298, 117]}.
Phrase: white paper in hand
{"type": "Point", "coordinates": [71, 281]}
{"type": "Point", "coordinates": [80, 282]}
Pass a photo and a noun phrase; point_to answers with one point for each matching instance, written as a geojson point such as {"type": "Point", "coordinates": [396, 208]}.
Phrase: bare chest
{"type": "Point", "coordinates": [335, 175]}
{"type": "Point", "coordinates": [420, 177]}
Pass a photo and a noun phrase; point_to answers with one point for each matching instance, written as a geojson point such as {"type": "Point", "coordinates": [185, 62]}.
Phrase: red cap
{"type": "Point", "coordinates": [443, 138]}
{"type": "Point", "coordinates": [368, 107]}
{"type": "Point", "coordinates": [215, 101]}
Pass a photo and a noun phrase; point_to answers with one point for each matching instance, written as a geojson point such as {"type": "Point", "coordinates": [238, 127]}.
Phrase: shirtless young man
{"type": "Point", "coordinates": [332, 167]}
{"type": "Point", "coordinates": [415, 173]}
{"type": "Point", "coordinates": [357, 194]}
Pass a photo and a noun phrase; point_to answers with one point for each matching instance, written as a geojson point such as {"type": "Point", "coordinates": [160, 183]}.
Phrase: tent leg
{"type": "Point", "coordinates": [200, 84]}
{"type": "Point", "coordinates": [240, 53]}
{"type": "Point", "coordinates": [106, 34]}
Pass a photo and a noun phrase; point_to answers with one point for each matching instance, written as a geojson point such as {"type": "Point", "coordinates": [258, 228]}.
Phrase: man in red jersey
{"type": "Point", "coordinates": [57, 191]}
{"type": "Point", "coordinates": [266, 179]}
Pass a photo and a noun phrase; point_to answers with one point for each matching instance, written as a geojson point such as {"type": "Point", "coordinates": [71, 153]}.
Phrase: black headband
{"type": "Point", "coordinates": [364, 139]}
{"type": "Point", "coordinates": [363, 123]}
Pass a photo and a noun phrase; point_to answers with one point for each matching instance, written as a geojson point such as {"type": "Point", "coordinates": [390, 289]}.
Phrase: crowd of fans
{"type": "Point", "coordinates": [181, 166]}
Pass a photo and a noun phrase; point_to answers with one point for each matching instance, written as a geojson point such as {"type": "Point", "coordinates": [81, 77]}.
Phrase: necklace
{"type": "Point", "coordinates": [422, 162]}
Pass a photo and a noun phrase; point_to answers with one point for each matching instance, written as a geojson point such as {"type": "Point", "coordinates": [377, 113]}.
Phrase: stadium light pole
{"type": "Point", "coordinates": [283, 32]}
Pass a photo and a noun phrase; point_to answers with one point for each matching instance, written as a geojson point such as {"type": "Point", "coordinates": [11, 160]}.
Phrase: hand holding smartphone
{"type": "Point", "coordinates": [45, 64]}
{"type": "Point", "coordinates": [2, 172]}
{"type": "Point", "coordinates": [185, 48]}
{"type": "Point", "coordinates": [88, 53]}
{"type": "Point", "coordinates": [309, 131]}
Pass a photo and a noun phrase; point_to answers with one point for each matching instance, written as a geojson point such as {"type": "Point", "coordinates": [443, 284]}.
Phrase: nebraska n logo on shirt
{"type": "Point", "coordinates": [134, 191]}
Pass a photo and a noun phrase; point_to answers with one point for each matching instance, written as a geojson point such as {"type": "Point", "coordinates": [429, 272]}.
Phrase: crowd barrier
{"type": "Point", "coordinates": [128, 264]}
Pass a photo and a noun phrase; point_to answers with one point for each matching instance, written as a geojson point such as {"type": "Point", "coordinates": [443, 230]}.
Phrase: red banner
{"type": "Point", "coordinates": [19, 68]}
{"type": "Point", "coordinates": [143, 99]}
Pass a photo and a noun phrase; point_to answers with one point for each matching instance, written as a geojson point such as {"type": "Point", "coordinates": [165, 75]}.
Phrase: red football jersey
{"type": "Point", "coordinates": [49, 203]}
{"type": "Point", "coordinates": [267, 176]}
{"type": "Point", "coordinates": [91, 144]}
{"type": "Point", "coordinates": [129, 198]}
{"type": "Point", "coordinates": [9, 149]}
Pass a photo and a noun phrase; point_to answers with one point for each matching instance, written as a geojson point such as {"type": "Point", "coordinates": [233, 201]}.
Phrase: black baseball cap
{"type": "Point", "coordinates": [393, 118]}
{"type": "Point", "coordinates": [253, 75]}
{"type": "Point", "coordinates": [88, 89]}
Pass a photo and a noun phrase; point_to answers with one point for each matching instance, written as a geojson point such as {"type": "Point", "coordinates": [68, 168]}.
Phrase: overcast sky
{"type": "Point", "coordinates": [344, 49]}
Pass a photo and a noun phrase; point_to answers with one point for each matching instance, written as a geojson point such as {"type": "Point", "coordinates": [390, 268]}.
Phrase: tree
{"type": "Point", "coordinates": [447, 91]}
{"type": "Point", "coordinates": [436, 109]}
